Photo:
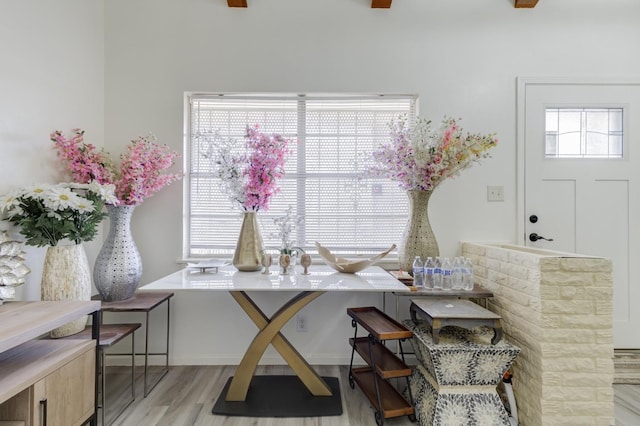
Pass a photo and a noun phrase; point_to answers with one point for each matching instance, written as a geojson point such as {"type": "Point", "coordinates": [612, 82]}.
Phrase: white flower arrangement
{"type": "Point", "coordinates": [47, 214]}
{"type": "Point", "coordinates": [286, 225]}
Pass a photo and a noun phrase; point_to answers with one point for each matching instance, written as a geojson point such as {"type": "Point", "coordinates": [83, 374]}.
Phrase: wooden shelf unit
{"type": "Point", "coordinates": [382, 363]}
{"type": "Point", "coordinates": [387, 365]}
{"type": "Point", "coordinates": [39, 376]}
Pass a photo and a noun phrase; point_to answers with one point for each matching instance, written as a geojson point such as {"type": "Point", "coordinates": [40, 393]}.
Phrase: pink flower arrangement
{"type": "Point", "coordinates": [420, 158]}
{"type": "Point", "coordinates": [139, 175]}
{"type": "Point", "coordinates": [250, 179]}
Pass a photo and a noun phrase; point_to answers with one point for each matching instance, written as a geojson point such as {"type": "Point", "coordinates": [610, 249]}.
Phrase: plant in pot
{"type": "Point", "coordinates": [60, 217]}
{"type": "Point", "coordinates": [286, 224]}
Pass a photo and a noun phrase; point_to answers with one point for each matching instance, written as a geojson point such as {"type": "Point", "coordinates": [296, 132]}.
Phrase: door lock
{"type": "Point", "coordinates": [535, 237]}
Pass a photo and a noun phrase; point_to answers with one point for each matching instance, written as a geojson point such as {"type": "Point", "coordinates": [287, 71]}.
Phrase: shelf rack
{"type": "Point", "coordinates": [382, 364]}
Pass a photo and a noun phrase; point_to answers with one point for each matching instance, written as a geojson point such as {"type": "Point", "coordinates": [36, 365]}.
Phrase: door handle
{"type": "Point", "coordinates": [43, 412]}
{"type": "Point", "coordinates": [535, 237]}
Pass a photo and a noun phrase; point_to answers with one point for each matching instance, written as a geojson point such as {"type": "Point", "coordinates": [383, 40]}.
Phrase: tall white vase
{"type": "Point", "coordinates": [66, 276]}
{"type": "Point", "coordinates": [118, 268]}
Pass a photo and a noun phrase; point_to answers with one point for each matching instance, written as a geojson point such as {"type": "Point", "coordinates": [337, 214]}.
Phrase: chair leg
{"type": "Point", "coordinates": [103, 368]}
{"type": "Point", "coordinates": [133, 366]}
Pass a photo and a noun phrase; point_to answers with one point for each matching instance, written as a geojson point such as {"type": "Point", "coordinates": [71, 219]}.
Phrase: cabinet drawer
{"type": "Point", "coordinates": [67, 394]}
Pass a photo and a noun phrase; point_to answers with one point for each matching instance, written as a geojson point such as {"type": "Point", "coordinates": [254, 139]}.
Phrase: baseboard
{"type": "Point", "coordinates": [626, 364]}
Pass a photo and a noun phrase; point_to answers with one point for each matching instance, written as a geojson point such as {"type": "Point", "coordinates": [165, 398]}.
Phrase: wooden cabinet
{"type": "Point", "coordinates": [66, 395]}
{"type": "Point", "coordinates": [382, 364]}
{"type": "Point", "coordinates": [45, 381]}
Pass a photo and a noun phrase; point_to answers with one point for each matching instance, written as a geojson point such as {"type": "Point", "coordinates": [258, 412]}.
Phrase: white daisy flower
{"type": "Point", "coordinates": [84, 205]}
{"type": "Point", "coordinates": [106, 191]}
{"type": "Point", "coordinates": [61, 198]}
{"type": "Point", "coordinates": [8, 201]}
{"type": "Point", "coordinates": [38, 191]}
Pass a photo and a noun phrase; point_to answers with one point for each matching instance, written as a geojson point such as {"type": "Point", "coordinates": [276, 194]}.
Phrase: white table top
{"type": "Point", "coordinates": [320, 278]}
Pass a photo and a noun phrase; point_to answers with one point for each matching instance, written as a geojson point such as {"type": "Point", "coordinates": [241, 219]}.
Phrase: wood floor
{"type": "Point", "coordinates": [186, 395]}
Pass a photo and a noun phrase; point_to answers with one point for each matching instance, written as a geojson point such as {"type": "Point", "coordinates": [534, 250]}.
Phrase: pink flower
{"type": "Point", "coordinates": [251, 179]}
{"type": "Point", "coordinates": [418, 157]}
{"type": "Point", "coordinates": [139, 175]}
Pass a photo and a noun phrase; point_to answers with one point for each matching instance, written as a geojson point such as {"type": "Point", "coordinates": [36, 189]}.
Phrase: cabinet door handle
{"type": "Point", "coordinates": [43, 412]}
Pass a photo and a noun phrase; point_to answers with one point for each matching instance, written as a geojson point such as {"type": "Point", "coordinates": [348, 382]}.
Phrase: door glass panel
{"type": "Point", "coordinates": [584, 132]}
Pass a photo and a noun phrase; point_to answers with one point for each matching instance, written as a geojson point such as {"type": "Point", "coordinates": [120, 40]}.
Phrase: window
{"type": "Point", "coordinates": [584, 133]}
{"type": "Point", "coordinates": [344, 210]}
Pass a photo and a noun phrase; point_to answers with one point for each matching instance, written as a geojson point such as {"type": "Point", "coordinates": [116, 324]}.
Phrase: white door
{"type": "Point", "coordinates": [579, 162]}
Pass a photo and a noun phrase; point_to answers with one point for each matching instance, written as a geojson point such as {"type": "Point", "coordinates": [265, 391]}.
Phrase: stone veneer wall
{"type": "Point", "coordinates": [557, 307]}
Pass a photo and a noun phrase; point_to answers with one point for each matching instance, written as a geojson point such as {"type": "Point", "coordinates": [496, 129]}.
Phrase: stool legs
{"type": "Point", "coordinates": [103, 370]}
{"type": "Point", "coordinates": [149, 387]}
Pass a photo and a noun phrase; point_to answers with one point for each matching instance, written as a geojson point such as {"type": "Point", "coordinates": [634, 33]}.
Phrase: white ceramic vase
{"type": "Point", "coordinates": [66, 276]}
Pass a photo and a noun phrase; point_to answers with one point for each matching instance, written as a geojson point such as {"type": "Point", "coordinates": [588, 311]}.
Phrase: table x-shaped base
{"type": "Point", "coordinates": [270, 334]}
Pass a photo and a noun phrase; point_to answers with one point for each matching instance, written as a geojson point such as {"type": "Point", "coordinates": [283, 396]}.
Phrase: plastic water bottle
{"type": "Point", "coordinates": [418, 272]}
{"type": "Point", "coordinates": [467, 277]}
{"type": "Point", "coordinates": [429, 267]}
{"type": "Point", "coordinates": [447, 273]}
{"type": "Point", "coordinates": [456, 267]}
{"type": "Point", "coordinates": [437, 273]}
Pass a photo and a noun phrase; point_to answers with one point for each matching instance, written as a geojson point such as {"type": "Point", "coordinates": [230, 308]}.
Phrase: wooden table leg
{"type": "Point", "coordinates": [270, 334]}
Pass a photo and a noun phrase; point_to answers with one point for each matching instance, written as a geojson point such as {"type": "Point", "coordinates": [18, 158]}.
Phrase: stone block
{"type": "Point", "coordinates": [560, 315]}
{"type": "Point", "coordinates": [524, 259]}
{"type": "Point", "coordinates": [568, 307]}
{"type": "Point", "coordinates": [585, 264]}
{"type": "Point", "coordinates": [497, 253]}
{"type": "Point", "coordinates": [549, 264]}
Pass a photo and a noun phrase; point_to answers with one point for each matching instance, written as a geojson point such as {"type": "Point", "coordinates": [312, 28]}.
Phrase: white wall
{"type": "Point", "coordinates": [461, 57]}
{"type": "Point", "coordinates": [51, 78]}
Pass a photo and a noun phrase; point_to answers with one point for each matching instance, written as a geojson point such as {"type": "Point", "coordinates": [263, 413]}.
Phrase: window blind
{"type": "Point", "coordinates": [343, 208]}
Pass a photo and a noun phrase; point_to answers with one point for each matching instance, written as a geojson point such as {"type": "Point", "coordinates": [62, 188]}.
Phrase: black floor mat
{"type": "Point", "coordinates": [281, 396]}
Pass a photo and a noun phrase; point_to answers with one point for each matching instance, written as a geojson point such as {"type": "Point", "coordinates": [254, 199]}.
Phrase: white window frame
{"type": "Point", "coordinates": [224, 252]}
{"type": "Point", "coordinates": [584, 133]}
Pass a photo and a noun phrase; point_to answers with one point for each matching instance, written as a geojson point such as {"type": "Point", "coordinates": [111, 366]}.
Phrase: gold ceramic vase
{"type": "Point", "coordinates": [418, 238]}
{"type": "Point", "coordinates": [248, 254]}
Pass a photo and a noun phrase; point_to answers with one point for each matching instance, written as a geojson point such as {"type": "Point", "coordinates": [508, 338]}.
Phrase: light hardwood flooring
{"type": "Point", "coordinates": [186, 395]}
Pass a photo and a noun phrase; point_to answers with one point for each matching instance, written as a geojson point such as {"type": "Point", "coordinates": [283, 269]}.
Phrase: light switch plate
{"type": "Point", "coordinates": [495, 193]}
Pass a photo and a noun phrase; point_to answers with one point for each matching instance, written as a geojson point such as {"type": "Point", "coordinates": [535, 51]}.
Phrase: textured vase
{"type": "Point", "coordinates": [118, 267]}
{"type": "Point", "coordinates": [418, 238]}
{"type": "Point", "coordinates": [248, 254]}
{"type": "Point", "coordinates": [66, 276]}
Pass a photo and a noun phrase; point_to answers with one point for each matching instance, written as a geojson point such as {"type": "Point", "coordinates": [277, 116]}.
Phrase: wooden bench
{"type": "Point", "coordinates": [462, 313]}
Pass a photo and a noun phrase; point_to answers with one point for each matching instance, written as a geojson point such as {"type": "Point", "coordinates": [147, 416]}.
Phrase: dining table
{"type": "Point", "coordinates": [306, 288]}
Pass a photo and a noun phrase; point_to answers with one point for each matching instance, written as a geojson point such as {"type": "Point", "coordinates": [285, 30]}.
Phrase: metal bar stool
{"type": "Point", "coordinates": [145, 301]}
{"type": "Point", "coordinates": [110, 334]}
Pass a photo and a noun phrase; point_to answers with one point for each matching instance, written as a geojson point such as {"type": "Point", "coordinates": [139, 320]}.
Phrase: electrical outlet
{"type": "Point", "coordinates": [301, 323]}
{"type": "Point", "coordinates": [495, 193]}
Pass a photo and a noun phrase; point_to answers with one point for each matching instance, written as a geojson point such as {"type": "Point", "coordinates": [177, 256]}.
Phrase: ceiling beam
{"type": "Point", "coordinates": [381, 4]}
{"type": "Point", "coordinates": [377, 4]}
{"type": "Point", "coordinates": [525, 3]}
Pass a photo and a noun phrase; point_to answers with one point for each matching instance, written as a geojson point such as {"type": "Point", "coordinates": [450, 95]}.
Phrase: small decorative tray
{"type": "Point", "coordinates": [207, 265]}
